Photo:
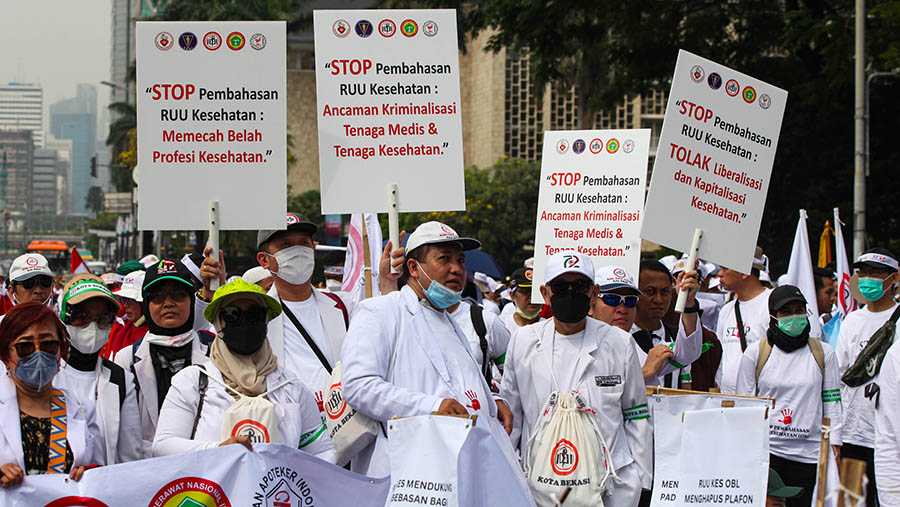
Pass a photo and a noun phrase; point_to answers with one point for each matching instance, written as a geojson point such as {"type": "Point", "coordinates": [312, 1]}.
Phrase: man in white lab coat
{"type": "Point", "coordinates": [571, 352]}
{"type": "Point", "coordinates": [404, 355]}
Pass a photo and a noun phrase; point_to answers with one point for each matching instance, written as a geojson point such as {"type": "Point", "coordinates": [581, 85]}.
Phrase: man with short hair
{"type": "Point", "coordinates": [826, 293]}
{"type": "Point", "coordinates": [30, 279]}
{"type": "Point", "coordinates": [750, 307]}
{"type": "Point", "coordinates": [878, 278]}
{"type": "Point", "coordinates": [521, 312]}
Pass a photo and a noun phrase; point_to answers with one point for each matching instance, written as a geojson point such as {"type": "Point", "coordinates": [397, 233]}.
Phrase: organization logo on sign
{"type": "Point", "coordinates": [212, 41]}
{"type": "Point", "coordinates": [429, 28]}
{"type": "Point", "coordinates": [364, 28]}
{"type": "Point", "coordinates": [235, 41]}
{"type": "Point", "coordinates": [612, 145]}
{"type": "Point", "coordinates": [473, 399]}
{"type": "Point", "coordinates": [697, 73]}
{"type": "Point", "coordinates": [578, 146]}
{"type": "Point", "coordinates": [732, 88]}
{"type": "Point", "coordinates": [76, 501]}
{"type": "Point", "coordinates": [340, 28]}
{"type": "Point", "coordinates": [163, 41]}
{"type": "Point", "coordinates": [562, 146]}
{"type": "Point", "coordinates": [749, 94]}
{"type": "Point", "coordinates": [190, 492]}
{"type": "Point", "coordinates": [187, 41]}
{"type": "Point", "coordinates": [765, 101]}
{"type": "Point", "coordinates": [283, 487]}
{"type": "Point", "coordinates": [258, 41]}
{"type": "Point", "coordinates": [596, 146]}
{"type": "Point", "coordinates": [254, 430]}
{"type": "Point", "coordinates": [409, 28]}
{"type": "Point", "coordinates": [336, 404]}
{"type": "Point", "coordinates": [564, 458]}
{"type": "Point", "coordinates": [786, 416]}
{"type": "Point", "coordinates": [714, 81]}
{"type": "Point", "coordinates": [387, 28]}
{"type": "Point", "coordinates": [570, 261]}
{"type": "Point", "coordinates": [628, 146]}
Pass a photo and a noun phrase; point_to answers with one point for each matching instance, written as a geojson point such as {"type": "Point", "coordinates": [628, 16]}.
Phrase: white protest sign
{"type": "Point", "coordinates": [387, 88]}
{"type": "Point", "coordinates": [714, 161]}
{"type": "Point", "coordinates": [669, 458]}
{"type": "Point", "coordinates": [211, 124]}
{"type": "Point", "coordinates": [591, 198]}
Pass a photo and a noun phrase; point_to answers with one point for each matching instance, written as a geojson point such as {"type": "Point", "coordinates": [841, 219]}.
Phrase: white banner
{"type": "Point", "coordinates": [387, 89]}
{"type": "Point", "coordinates": [671, 458]}
{"type": "Point", "coordinates": [355, 276]}
{"type": "Point", "coordinates": [800, 275]}
{"type": "Point", "coordinates": [591, 198]}
{"type": "Point", "coordinates": [211, 124]}
{"type": "Point", "coordinates": [271, 476]}
{"type": "Point", "coordinates": [713, 163]}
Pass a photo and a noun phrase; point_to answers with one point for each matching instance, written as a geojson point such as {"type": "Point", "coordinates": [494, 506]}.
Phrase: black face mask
{"type": "Point", "coordinates": [244, 340]}
{"type": "Point", "coordinates": [570, 307]}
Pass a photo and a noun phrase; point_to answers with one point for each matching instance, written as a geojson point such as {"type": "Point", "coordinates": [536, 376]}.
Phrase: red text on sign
{"type": "Point", "coordinates": [565, 179]}
{"type": "Point", "coordinates": [355, 67]}
{"type": "Point", "coordinates": [172, 91]}
{"type": "Point", "coordinates": [695, 111]}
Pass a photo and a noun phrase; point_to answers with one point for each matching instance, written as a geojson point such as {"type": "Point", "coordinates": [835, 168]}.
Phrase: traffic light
{"type": "Point", "coordinates": [94, 166]}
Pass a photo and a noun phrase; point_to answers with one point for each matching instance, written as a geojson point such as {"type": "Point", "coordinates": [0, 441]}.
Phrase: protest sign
{"type": "Point", "coordinates": [669, 456]}
{"type": "Point", "coordinates": [387, 89]}
{"type": "Point", "coordinates": [211, 124]}
{"type": "Point", "coordinates": [714, 161]}
{"type": "Point", "coordinates": [591, 198]}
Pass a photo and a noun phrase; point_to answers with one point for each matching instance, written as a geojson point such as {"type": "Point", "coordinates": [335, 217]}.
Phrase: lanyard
{"type": "Point", "coordinates": [56, 464]}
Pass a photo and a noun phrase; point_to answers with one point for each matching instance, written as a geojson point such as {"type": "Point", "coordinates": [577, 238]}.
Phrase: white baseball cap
{"type": "Point", "coordinates": [568, 261]}
{"type": "Point", "coordinates": [256, 274]}
{"type": "Point", "coordinates": [702, 267]}
{"type": "Point", "coordinates": [615, 277]}
{"type": "Point", "coordinates": [431, 233]}
{"type": "Point", "coordinates": [27, 266]}
{"type": "Point", "coordinates": [131, 286]}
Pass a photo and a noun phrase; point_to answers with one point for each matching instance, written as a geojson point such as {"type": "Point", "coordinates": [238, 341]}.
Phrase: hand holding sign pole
{"type": "Point", "coordinates": [691, 265]}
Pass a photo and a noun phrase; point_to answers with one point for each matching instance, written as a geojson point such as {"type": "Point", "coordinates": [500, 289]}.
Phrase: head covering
{"type": "Point", "coordinates": [131, 286]}
{"type": "Point", "coordinates": [778, 489]}
{"type": "Point", "coordinates": [128, 267]}
{"type": "Point", "coordinates": [149, 260]}
{"type": "Point", "coordinates": [109, 278]}
{"type": "Point", "coordinates": [80, 288]}
{"type": "Point", "coordinates": [28, 266]}
{"type": "Point", "coordinates": [760, 260]}
{"type": "Point", "coordinates": [615, 277]}
{"type": "Point", "coordinates": [294, 222]}
{"type": "Point", "coordinates": [877, 258]}
{"type": "Point", "coordinates": [783, 295]}
{"type": "Point", "coordinates": [529, 263]}
{"type": "Point", "coordinates": [431, 233]}
{"type": "Point", "coordinates": [678, 266]}
{"type": "Point", "coordinates": [256, 275]}
{"type": "Point", "coordinates": [521, 277]}
{"type": "Point", "coordinates": [167, 270]}
{"type": "Point", "coordinates": [241, 289]}
{"type": "Point", "coordinates": [568, 262]}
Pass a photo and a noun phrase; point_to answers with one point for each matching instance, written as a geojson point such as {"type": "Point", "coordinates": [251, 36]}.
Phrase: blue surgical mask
{"type": "Point", "coordinates": [37, 369]}
{"type": "Point", "coordinates": [792, 325]}
{"type": "Point", "coordinates": [439, 294]}
{"type": "Point", "coordinates": [871, 288]}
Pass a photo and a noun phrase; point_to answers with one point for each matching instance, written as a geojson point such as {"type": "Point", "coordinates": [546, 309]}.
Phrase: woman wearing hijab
{"type": "Point", "coordinates": [240, 394]}
{"type": "Point", "coordinates": [32, 342]}
{"type": "Point", "coordinates": [801, 374]}
{"type": "Point", "coordinates": [170, 345]}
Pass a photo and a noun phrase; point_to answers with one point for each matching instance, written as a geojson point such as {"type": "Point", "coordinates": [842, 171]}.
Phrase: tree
{"type": "Point", "coordinates": [94, 199]}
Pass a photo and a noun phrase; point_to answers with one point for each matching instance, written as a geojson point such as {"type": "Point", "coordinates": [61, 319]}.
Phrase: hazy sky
{"type": "Point", "coordinates": [57, 43]}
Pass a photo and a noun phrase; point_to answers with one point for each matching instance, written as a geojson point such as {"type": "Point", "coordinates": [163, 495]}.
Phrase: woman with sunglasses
{"type": "Point", "coordinates": [44, 429]}
{"type": "Point", "coordinates": [240, 395]}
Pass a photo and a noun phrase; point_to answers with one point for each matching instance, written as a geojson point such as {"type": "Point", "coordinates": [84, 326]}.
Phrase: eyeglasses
{"type": "Point", "coordinates": [579, 286]}
{"type": "Point", "coordinates": [45, 281]}
{"type": "Point", "coordinates": [177, 295]}
{"type": "Point", "coordinates": [103, 320]}
{"type": "Point", "coordinates": [234, 316]}
{"type": "Point", "coordinates": [616, 300]}
{"type": "Point", "coordinates": [26, 348]}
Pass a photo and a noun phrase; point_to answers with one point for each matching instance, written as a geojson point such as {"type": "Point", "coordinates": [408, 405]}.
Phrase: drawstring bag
{"type": "Point", "coordinates": [566, 449]}
{"type": "Point", "coordinates": [350, 431]}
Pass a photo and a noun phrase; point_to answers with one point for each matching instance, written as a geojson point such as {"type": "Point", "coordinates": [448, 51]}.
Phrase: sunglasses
{"type": "Point", "coordinates": [234, 316]}
{"type": "Point", "coordinates": [45, 281]}
{"type": "Point", "coordinates": [616, 300]}
{"type": "Point", "coordinates": [177, 295]}
{"type": "Point", "coordinates": [25, 349]}
{"type": "Point", "coordinates": [579, 286]}
{"type": "Point", "coordinates": [103, 320]}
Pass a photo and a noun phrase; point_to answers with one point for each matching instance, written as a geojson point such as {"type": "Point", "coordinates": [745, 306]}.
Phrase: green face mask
{"type": "Point", "coordinates": [793, 325]}
{"type": "Point", "coordinates": [527, 316]}
{"type": "Point", "coordinates": [872, 288]}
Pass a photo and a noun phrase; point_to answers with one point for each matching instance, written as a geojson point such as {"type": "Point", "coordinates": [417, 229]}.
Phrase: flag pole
{"type": "Point", "coordinates": [690, 266]}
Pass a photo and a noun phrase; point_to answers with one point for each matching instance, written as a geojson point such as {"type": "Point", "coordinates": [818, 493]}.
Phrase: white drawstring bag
{"type": "Point", "coordinates": [566, 449]}
{"type": "Point", "coordinates": [350, 431]}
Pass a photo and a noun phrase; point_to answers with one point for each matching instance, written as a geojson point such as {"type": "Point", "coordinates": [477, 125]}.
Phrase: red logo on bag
{"type": "Point", "coordinates": [254, 430]}
{"type": "Point", "coordinates": [336, 404]}
{"type": "Point", "coordinates": [786, 416]}
{"type": "Point", "coordinates": [564, 458]}
{"type": "Point", "coordinates": [319, 401]}
{"type": "Point", "coordinates": [474, 399]}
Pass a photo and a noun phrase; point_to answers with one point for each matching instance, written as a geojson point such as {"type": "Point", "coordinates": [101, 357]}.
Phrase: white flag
{"type": "Point", "coordinates": [354, 273]}
{"type": "Point", "coordinates": [845, 301]}
{"type": "Point", "coordinates": [800, 274]}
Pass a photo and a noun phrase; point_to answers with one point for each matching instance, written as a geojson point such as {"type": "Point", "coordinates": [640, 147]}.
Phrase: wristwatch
{"type": "Point", "coordinates": [693, 309]}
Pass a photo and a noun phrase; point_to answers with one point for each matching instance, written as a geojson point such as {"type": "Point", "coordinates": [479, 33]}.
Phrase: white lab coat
{"type": "Point", "coordinates": [82, 429]}
{"type": "Point", "coordinates": [295, 412]}
{"type": "Point", "coordinates": [145, 379]}
{"type": "Point", "coordinates": [608, 358]}
{"type": "Point", "coordinates": [120, 422]}
{"type": "Point", "coordinates": [420, 378]}
{"type": "Point", "coordinates": [887, 429]}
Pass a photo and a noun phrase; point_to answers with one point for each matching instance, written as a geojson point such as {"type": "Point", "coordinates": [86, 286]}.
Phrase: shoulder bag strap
{"type": "Point", "coordinates": [202, 385]}
{"type": "Point", "coordinates": [740, 324]}
{"type": "Point", "coordinates": [481, 330]}
{"type": "Point", "coordinates": [309, 340]}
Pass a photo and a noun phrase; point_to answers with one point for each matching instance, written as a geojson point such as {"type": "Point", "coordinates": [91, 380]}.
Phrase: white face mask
{"type": "Point", "coordinates": [88, 339]}
{"type": "Point", "coordinates": [295, 264]}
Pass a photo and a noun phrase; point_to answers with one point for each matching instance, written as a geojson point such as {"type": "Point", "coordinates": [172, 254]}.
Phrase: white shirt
{"type": "Point", "coordinates": [755, 316]}
{"type": "Point", "coordinates": [490, 306]}
{"type": "Point", "coordinates": [497, 335]}
{"type": "Point", "coordinates": [859, 412]}
{"type": "Point", "coordinates": [564, 369]}
{"type": "Point", "coordinates": [801, 398]}
{"type": "Point", "coordinates": [687, 349]}
{"type": "Point", "coordinates": [299, 357]}
{"type": "Point", "coordinates": [887, 429]}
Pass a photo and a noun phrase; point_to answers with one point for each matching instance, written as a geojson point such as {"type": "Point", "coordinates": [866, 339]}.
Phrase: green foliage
{"type": "Point", "coordinates": [121, 139]}
{"type": "Point", "coordinates": [94, 199]}
{"type": "Point", "coordinates": [231, 10]}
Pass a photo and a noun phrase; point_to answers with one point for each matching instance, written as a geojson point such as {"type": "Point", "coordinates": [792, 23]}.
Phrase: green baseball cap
{"type": "Point", "coordinates": [778, 489]}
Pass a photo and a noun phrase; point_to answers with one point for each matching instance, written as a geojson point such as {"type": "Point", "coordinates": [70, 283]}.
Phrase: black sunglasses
{"type": "Point", "coordinates": [616, 300]}
{"type": "Point", "coordinates": [25, 349]}
{"type": "Point", "coordinates": [45, 281]}
{"type": "Point", "coordinates": [177, 295]}
{"type": "Point", "coordinates": [579, 286]}
{"type": "Point", "coordinates": [234, 316]}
